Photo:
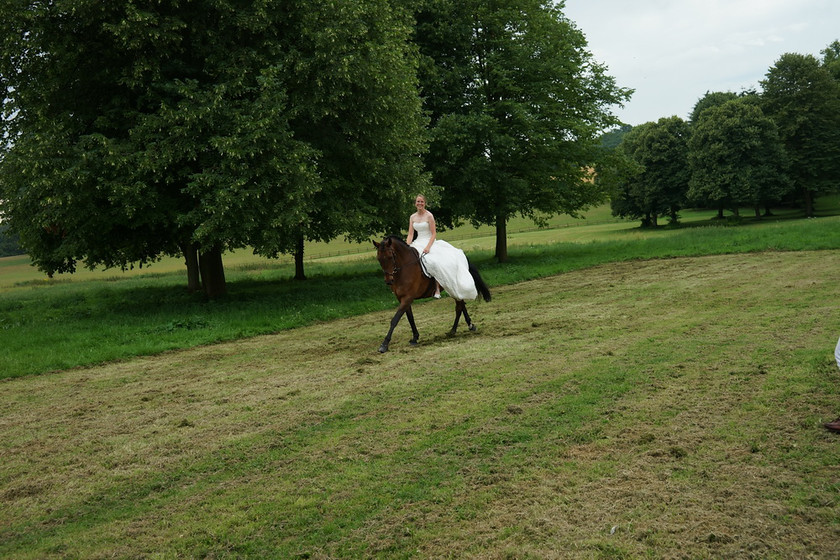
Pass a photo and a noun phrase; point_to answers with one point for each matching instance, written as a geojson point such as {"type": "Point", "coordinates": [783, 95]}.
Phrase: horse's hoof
{"type": "Point", "coordinates": [473, 328]}
{"type": "Point", "coordinates": [383, 349]}
{"type": "Point", "coordinates": [413, 342]}
{"type": "Point", "coordinates": [450, 333]}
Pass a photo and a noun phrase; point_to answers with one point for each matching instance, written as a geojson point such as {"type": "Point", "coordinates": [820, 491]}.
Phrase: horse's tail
{"type": "Point", "coordinates": [479, 282]}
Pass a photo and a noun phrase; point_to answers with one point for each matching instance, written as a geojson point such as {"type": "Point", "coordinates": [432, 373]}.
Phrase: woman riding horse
{"type": "Point", "coordinates": [418, 270]}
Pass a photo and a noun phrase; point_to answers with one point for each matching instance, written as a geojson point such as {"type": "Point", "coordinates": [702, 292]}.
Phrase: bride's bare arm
{"type": "Point", "coordinates": [410, 237]}
{"type": "Point", "coordinates": [433, 231]}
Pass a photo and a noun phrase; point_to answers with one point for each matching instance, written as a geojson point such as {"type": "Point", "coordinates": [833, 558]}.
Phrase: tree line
{"type": "Point", "coordinates": [749, 150]}
{"type": "Point", "coordinates": [141, 129]}
{"type": "Point", "coordinates": [9, 244]}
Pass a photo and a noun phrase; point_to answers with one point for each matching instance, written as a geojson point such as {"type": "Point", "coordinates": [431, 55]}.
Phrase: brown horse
{"type": "Point", "coordinates": [403, 273]}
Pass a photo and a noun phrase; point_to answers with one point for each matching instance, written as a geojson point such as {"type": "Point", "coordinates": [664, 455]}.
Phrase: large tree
{"type": "Point", "coordinates": [353, 87]}
{"type": "Point", "coordinates": [138, 129]}
{"type": "Point", "coordinates": [653, 181]}
{"type": "Point", "coordinates": [802, 97]}
{"type": "Point", "coordinates": [517, 105]}
{"type": "Point", "coordinates": [736, 158]}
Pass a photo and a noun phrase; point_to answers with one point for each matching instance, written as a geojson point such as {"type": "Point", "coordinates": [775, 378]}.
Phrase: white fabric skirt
{"type": "Point", "coordinates": [445, 263]}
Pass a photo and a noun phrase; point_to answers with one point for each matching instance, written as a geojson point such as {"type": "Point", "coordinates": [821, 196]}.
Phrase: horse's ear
{"type": "Point", "coordinates": [375, 244]}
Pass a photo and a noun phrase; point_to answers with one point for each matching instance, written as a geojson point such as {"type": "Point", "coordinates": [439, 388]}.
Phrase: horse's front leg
{"type": "Point", "coordinates": [404, 306]}
{"type": "Point", "coordinates": [410, 315]}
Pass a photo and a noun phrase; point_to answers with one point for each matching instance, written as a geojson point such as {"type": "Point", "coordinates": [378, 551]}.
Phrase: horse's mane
{"type": "Point", "coordinates": [398, 243]}
{"type": "Point", "coordinates": [398, 239]}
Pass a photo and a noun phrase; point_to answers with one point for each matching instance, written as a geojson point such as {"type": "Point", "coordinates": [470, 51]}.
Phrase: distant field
{"type": "Point", "coordinates": [595, 225]}
{"type": "Point", "coordinates": [15, 270]}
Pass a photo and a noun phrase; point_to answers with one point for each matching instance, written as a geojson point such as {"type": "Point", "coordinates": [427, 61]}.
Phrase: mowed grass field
{"type": "Point", "coordinates": [666, 409]}
{"type": "Point", "coordinates": [628, 394]}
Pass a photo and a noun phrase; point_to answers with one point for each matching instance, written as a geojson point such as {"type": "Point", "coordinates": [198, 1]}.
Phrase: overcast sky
{"type": "Point", "coordinates": [673, 51]}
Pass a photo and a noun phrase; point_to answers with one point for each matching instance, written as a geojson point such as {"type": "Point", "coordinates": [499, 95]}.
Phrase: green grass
{"type": "Point", "coordinates": [629, 394]}
{"type": "Point", "coordinates": [644, 409]}
{"type": "Point", "coordinates": [103, 316]}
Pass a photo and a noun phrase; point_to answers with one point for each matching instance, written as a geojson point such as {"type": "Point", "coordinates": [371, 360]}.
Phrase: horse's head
{"type": "Point", "coordinates": [387, 259]}
{"type": "Point", "coordinates": [387, 254]}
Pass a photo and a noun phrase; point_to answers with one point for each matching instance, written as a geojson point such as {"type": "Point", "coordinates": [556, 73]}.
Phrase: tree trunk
{"type": "Point", "coordinates": [720, 213]}
{"type": "Point", "coordinates": [757, 211]}
{"type": "Point", "coordinates": [501, 239]}
{"type": "Point", "coordinates": [299, 275]}
{"type": "Point", "coordinates": [193, 274]}
{"type": "Point", "coordinates": [212, 273]}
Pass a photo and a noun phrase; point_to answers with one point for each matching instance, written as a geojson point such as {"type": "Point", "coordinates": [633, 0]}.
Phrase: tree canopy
{"type": "Point", "coordinates": [653, 178]}
{"type": "Point", "coordinates": [802, 97]}
{"type": "Point", "coordinates": [737, 158]}
{"type": "Point", "coordinates": [831, 59]}
{"type": "Point", "coordinates": [517, 105]}
{"type": "Point", "coordinates": [139, 129]}
{"type": "Point", "coordinates": [709, 100]}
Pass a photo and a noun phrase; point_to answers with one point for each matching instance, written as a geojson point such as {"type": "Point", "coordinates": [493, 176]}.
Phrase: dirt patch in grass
{"type": "Point", "coordinates": [665, 409]}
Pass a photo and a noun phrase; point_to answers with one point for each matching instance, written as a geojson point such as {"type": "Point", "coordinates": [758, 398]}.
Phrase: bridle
{"type": "Point", "coordinates": [393, 254]}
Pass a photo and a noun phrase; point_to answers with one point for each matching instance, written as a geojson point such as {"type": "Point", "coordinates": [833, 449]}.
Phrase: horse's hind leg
{"type": "Point", "coordinates": [467, 319]}
{"type": "Point", "coordinates": [460, 309]}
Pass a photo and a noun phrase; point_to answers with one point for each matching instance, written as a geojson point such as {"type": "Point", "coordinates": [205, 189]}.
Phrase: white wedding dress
{"type": "Point", "coordinates": [445, 263]}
